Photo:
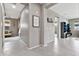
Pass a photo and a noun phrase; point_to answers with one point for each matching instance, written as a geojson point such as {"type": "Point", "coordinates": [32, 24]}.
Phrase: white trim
{"type": "Point", "coordinates": [34, 47]}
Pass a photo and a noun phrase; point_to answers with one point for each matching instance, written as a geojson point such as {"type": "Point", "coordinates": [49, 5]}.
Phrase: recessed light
{"type": "Point", "coordinates": [13, 6]}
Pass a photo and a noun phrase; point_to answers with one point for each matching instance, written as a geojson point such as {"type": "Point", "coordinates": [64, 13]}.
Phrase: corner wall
{"type": "Point", "coordinates": [24, 25]}
{"type": "Point", "coordinates": [34, 33]}
{"type": "Point", "coordinates": [1, 28]}
{"type": "Point", "coordinates": [49, 28]}
{"type": "Point", "coordinates": [44, 34]}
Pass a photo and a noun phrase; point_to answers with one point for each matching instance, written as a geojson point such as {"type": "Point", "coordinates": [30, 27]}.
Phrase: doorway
{"type": "Point", "coordinates": [11, 21]}
{"type": "Point", "coordinates": [11, 24]}
{"type": "Point", "coordinates": [11, 27]}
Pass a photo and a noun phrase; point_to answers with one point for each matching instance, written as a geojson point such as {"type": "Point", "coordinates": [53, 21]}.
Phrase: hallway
{"type": "Point", "coordinates": [63, 47]}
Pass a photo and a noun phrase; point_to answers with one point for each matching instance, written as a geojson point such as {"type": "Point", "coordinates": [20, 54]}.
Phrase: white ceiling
{"type": "Point", "coordinates": [67, 10]}
{"type": "Point", "coordinates": [13, 12]}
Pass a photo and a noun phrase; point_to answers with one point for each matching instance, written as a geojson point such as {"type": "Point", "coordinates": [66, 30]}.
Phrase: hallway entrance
{"type": "Point", "coordinates": [11, 24]}
{"type": "Point", "coordinates": [11, 27]}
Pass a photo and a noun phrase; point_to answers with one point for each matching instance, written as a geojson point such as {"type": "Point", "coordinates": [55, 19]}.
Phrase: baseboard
{"type": "Point", "coordinates": [34, 47]}
{"type": "Point", "coordinates": [45, 45]}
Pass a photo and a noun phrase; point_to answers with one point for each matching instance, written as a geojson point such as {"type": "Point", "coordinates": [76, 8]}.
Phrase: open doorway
{"type": "Point", "coordinates": [11, 21]}
{"type": "Point", "coordinates": [11, 27]}
{"type": "Point", "coordinates": [11, 24]}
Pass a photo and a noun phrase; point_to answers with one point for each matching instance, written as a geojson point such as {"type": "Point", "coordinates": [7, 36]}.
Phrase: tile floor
{"type": "Point", "coordinates": [63, 47]}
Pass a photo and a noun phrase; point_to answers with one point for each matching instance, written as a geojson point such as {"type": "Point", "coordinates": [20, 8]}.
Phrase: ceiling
{"type": "Point", "coordinates": [48, 5]}
{"type": "Point", "coordinates": [67, 10]}
{"type": "Point", "coordinates": [13, 10]}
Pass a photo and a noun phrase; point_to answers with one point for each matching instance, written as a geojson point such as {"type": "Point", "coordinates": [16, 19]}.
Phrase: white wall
{"type": "Point", "coordinates": [43, 34]}
{"type": "Point", "coordinates": [34, 39]}
{"type": "Point", "coordinates": [29, 34]}
{"type": "Point", "coordinates": [24, 31]}
{"type": "Point", "coordinates": [0, 28]}
{"type": "Point", "coordinates": [49, 28]}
